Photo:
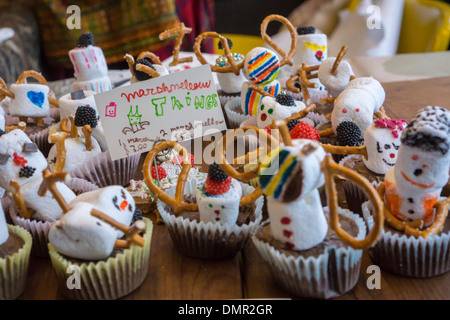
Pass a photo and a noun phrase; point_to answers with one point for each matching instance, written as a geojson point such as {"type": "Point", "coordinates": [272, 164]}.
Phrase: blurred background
{"type": "Point", "coordinates": [34, 33]}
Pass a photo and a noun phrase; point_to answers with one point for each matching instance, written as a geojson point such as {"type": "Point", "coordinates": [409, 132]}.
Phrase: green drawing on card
{"type": "Point", "coordinates": [134, 118]}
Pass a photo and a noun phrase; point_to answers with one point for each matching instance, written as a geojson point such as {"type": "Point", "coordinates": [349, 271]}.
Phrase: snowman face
{"type": "Point", "coordinates": [261, 65]}
{"type": "Point", "coordinates": [382, 148]}
{"type": "Point", "coordinates": [20, 159]}
{"type": "Point", "coordinates": [270, 110]}
{"type": "Point", "coordinates": [425, 170]}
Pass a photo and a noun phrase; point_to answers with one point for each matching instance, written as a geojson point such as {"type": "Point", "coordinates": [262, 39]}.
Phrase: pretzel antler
{"type": "Point", "coordinates": [232, 67]}
{"type": "Point", "coordinates": [59, 139]}
{"type": "Point", "coordinates": [331, 169]}
{"type": "Point", "coordinates": [131, 233]}
{"type": "Point", "coordinates": [14, 188]}
{"type": "Point", "coordinates": [87, 131]}
{"type": "Point", "coordinates": [49, 184]}
{"type": "Point", "coordinates": [286, 57]}
{"type": "Point", "coordinates": [4, 92]}
{"type": "Point", "coordinates": [338, 60]}
{"type": "Point", "coordinates": [150, 55]}
{"type": "Point", "coordinates": [148, 70]}
{"type": "Point", "coordinates": [180, 31]}
{"type": "Point", "coordinates": [130, 61]}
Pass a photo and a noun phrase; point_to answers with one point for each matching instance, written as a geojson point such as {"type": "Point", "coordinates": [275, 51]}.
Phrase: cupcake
{"type": "Point", "coordinates": [15, 247]}
{"type": "Point", "coordinates": [94, 236]}
{"type": "Point", "coordinates": [21, 166]}
{"type": "Point", "coordinates": [416, 237]}
{"type": "Point", "coordinates": [216, 215]}
{"type": "Point", "coordinates": [381, 144]}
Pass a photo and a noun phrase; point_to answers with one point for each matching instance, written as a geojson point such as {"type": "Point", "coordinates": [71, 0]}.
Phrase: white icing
{"type": "Point", "coordinates": [67, 106]}
{"type": "Point", "coordinates": [23, 106]}
{"type": "Point", "coordinates": [80, 235]}
{"type": "Point", "coordinates": [335, 84]}
{"type": "Point", "coordinates": [270, 109]}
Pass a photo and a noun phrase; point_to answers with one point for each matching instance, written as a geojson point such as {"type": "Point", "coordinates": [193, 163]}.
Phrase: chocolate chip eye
{"type": "Point", "coordinates": [4, 159]}
{"type": "Point", "coordinates": [387, 146]}
{"type": "Point", "coordinates": [30, 148]}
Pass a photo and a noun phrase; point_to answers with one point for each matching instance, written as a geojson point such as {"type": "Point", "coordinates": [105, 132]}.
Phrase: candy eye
{"type": "Point", "coordinates": [344, 110]}
{"type": "Point", "coordinates": [415, 157]}
{"type": "Point", "coordinates": [262, 107]}
{"type": "Point", "coordinates": [270, 111]}
{"type": "Point", "coordinates": [357, 110]}
{"type": "Point", "coordinates": [424, 166]}
{"type": "Point", "coordinates": [223, 207]}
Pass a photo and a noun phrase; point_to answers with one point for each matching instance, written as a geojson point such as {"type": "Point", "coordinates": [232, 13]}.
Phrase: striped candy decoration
{"type": "Point", "coordinates": [253, 98]}
{"type": "Point", "coordinates": [264, 67]}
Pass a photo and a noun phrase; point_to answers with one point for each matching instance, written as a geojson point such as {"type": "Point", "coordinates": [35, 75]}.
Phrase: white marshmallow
{"type": "Point", "coordinates": [2, 121]}
{"type": "Point", "coordinates": [231, 83]}
{"type": "Point", "coordinates": [4, 235]}
{"type": "Point", "coordinates": [115, 201]}
{"type": "Point", "coordinates": [97, 85]}
{"type": "Point", "coordinates": [67, 106]}
{"type": "Point", "coordinates": [76, 153]}
{"type": "Point", "coordinates": [335, 84]}
{"type": "Point", "coordinates": [31, 100]}
{"type": "Point", "coordinates": [258, 62]}
{"type": "Point", "coordinates": [222, 208]}
{"type": "Point", "coordinates": [162, 71]}
{"type": "Point", "coordinates": [80, 235]}
{"type": "Point", "coordinates": [251, 99]}
{"type": "Point", "coordinates": [89, 63]}
{"type": "Point", "coordinates": [270, 109]}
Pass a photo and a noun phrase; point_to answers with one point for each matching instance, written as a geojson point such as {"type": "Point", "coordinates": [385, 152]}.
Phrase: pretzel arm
{"type": "Point", "coordinates": [150, 55]}
{"type": "Point", "coordinates": [24, 212]}
{"type": "Point", "coordinates": [130, 61]}
{"type": "Point", "coordinates": [362, 150]}
{"type": "Point", "coordinates": [148, 70]}
{"type": "Point", "coordinates": [290, 83]}
{"type": "Point", "coordinates": [301, 114]}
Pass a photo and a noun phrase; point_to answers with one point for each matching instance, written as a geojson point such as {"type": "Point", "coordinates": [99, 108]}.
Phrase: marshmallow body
{"type": "Point", "coordinates": [231, 83]}
{"type": "Point", "coordinates": [4, 234]}
{"type": "Point", "coordinates": [67, 106]}
{"type": "Point", "coordinates": [270, 109]}
{"type": "Point", "coordinates": [335, 84]}
{"type": "Point", "coordinates": [31, 100]}
{"type": "Point", "coordinates": [80, 235]}
{"type": "Point", "coordinates": [97, 85]}
{"type": "Point", "coordinates": [222, 208]}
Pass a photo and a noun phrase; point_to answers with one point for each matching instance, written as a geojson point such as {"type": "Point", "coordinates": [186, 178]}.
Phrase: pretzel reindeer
{"type": "Point", "coordinates": [29, 99]}
{"type": "Point", "coordinates": [142, 69]}
{"type": "Point", "coordinates": [290, 177]}
{"type": "Point", "coordinates": [82, 226]}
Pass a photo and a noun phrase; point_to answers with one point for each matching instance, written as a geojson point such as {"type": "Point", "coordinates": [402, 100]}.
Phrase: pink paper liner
{"type": "Point", "coordinates": [39, 229]}
{"type": "Point", "coordinates": [102, 171]}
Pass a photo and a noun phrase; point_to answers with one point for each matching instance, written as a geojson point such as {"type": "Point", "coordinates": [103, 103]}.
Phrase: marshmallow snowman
{"type": "Point", "coordinates": [160, 69]}
{"type": "Point", "coordinates": [68, 103]}
{"type": "Point", "coordinates": [290, 177]}
{"type": "Point", "coordinates": [335, 84]}
{"type": "Point", "coordinates": [21, 161]}
{"type": "Point", "coordinates": [270, 109]}
{"type": "Point", "coordinates": [30, 100]}
{"type": "Point", "coordinates": [115, 201]}
{"type": "Point", "coordinates": [358, 102]}
{"type": "Point", "coordinates": [4, 234]}
{"type": "Point", "coordinates": [261, 67]}
{"type": "Point", "coordinates": [80, 235]}
{"type": "Point", "coordinates": [2, 119]}
{"type": "Point", "coordinates": [223, 208]}
{"type": "Point", "coordinates": [382, 141]}
{"type": "Point", "coordinates": [414, 184]}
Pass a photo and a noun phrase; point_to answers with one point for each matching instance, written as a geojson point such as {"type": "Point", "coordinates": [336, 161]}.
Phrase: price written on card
{"type": "Point", "coordinates": [172, 107]}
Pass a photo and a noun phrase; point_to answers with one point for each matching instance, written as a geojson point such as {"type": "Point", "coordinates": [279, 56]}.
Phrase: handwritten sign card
{"type": "Point", "coordinates": [170, 107]}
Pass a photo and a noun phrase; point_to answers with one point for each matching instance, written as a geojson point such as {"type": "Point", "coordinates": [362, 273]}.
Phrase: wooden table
{"type": "Point", "coordinates": [173, 276]}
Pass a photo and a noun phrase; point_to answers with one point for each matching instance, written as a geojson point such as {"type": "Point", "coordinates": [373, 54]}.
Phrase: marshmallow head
{"type": "Point", "coordinates": [290, 173]}
{"type": "Point", "coordinates": [270, 109]}
{"type": "Point", "coordinates": [382, 141]}
{"type": "Point", "coordinates": [20, 159]}
{"type": "Point", "coordinates": [251, 99]}
{"type": "Point", "coordinates": [31, 100]}
{"type": "Point", "coordinates": [335, 84]}
{"type": "Point", "coordinates": [80, 235]}
{"type": "Point", "coordinates": [261, 65]}
{"type": "Point", "coordinates": [68, 106]}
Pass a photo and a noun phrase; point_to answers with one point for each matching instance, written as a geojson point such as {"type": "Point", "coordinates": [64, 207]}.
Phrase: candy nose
{"type": "Point", "coordinates": [123, 205]}
{"type": "Point", "coordinates": [217, 212]}
{"type": "Point", "coordinates": [392, 155]}
{"type": "Point", "coordinates": [263, 117]}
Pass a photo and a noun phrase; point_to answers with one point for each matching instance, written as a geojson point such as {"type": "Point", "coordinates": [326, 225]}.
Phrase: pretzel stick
{"type": "Point", "coordinates": [180, 31]}
{"type": "Point", "coordinates": [381, 114]}
{"type": "Point", "coordinates": [63, 126]}
{"type": "Point", "coordinates": [150, 55]}
{"type": "Point", "coordinates": [49, 184]}
{"type": "Point", "coordinates": [284, 131]}
{"type": "Point", "coordinates": [305, 77]}
{"type": "Point", "coordinates": [301, 114]}
{"type": "Point", "coordinates": [328, 100]}
{"type": "Point", "coordinates": [14, 188]}
{"type": "Point", "coordinates": [130, 61]}
{"type": "Point", "coordinates": [132, 233]}
{"type": "Point", "coordinates": [177, 206]}
{"type": "Point", "coordinates": [53, 102]}
{"type": "Point", "coordinates": [59, 139]}
{"type": "Point", "coordinates": [87, 131]}
{"type": "Point", "coordinates": [326, 132]}
{"type": "Point", "coordinates": [338, 60]}
{"type": "Point", "coordinates": [260, 90]}
{"type": "Point", "coordinates": [345, 150]}
{"type": "Point", "coordinates": [436, 226]}
{"type": "Point", "coordinates": [4, 90]}
{"type": "Point", "coordinates": [330, 169]}
{"type": "Point", "coordinates": [21, 125]}
{"type": "Point", "coordinates": [392, 220]}
{"type": "Point", "coordinates": [290, 83]}
{"type": "Point", "coordinates": [232, 67]}
{"type": "Point", "coordinates": [73, 128]}
{"type": "Point", "coordinates": [286, 58]}
{"type": "Point", "coordinates": [148, 70]}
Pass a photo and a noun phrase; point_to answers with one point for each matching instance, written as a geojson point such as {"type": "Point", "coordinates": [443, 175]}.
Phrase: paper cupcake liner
{"type": "Point", "coordinates": [317, 118]}
{"type": "Point", "coordinates": [409, 256]}
{"type": "Point", "coordinates": [102, 171]}
{"type": "Point", "coordinates": [235, 118]}
{"type": "Point", "coordinates": [331, 274]}
{"type": "Point", "coordinates": [14, 268]}
{"type": "Point", "coordinates": [105, 280]}
{"type": "Point", "coordinates": [54, 114]}
{"type": "Point", "coordinates": [39, 229]}
{"type": "Point", "coordinates": [212, 241]}
{"type": "Point", "coordinates": [41, 140]}
{"type": "Point", "coordinates": [224, 99]}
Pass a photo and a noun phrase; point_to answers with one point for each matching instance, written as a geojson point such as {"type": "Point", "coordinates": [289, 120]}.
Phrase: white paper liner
{"type": "Point", "coordinates": [213, 241]}
{"type": "Point", "coordinates": [102, 171]}
{"type": "Point", "coordinates": [317, 118]}
{"type": "Point", "coordinates": [329, 275]}
{"type": "Point", "coordinates": [409, 256]}
{"type": "Point", "coordinates": [39, 229]}
{"type": "Point", "coordinates": [224, 99]}
{"type": "Point", "coordinates": [235, 118]}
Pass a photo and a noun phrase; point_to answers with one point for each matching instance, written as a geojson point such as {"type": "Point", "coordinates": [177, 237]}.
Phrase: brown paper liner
{"type": "Point", "coordinates": [409, 256]}
{"type": "Point", "coordinates": [41, 140]}
{"type": "Point", "coordinates": [14, 268]}
{"type": "Point", "coordinates": [102, 171]}
{"type": "Point", "coordinates": [105, 280]}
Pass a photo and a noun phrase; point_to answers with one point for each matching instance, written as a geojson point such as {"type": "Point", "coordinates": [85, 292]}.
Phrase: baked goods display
{"type": "Point", "coordinates": [283, 195]}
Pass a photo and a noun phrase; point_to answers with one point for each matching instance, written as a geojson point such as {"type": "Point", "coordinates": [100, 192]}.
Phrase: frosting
{"type": "Point", "coordinates": [270, 109]}
{"type": "Point", "coordinates": [422, 168]}
{"type": "Point", "coordinates": [335, 84]}
{"type": "Point", "coordinates": [382, 141]}
{"type": "Point", "coordinates": [358, 103]}
{"type": "Point", "coordinates": [30, 100]}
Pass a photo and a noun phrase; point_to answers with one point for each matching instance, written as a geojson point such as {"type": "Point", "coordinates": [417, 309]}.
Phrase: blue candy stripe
{"type": "Point", "coordinates": [264, 179]}
{"type": "Point", "coordinates": [284, 178]}
{"type": "Point", "coordinates": [264, 67]}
